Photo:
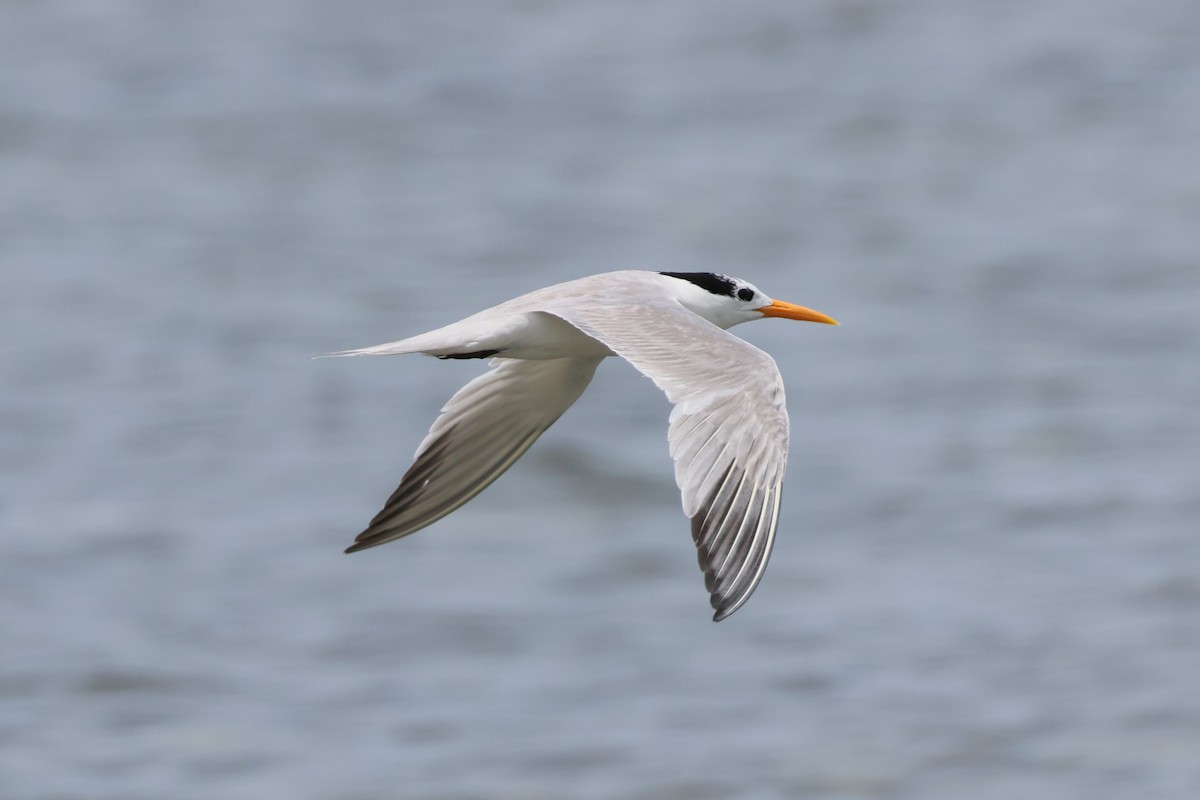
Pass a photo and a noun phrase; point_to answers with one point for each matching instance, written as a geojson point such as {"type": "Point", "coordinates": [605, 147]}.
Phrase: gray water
{"type": "Point", "coordinates": [987, 578]}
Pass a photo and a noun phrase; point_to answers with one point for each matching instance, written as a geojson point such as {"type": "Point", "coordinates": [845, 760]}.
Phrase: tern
{"type": "Point", "coordinates": [728, 428]}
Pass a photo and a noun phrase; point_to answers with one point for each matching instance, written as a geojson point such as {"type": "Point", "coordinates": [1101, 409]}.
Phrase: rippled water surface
{"type": "Point", "coordinates": [986, 583]}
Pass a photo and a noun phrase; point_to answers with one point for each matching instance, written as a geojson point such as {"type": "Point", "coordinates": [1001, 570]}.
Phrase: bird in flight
{"type": "Point", "coordinates": [728, 432]}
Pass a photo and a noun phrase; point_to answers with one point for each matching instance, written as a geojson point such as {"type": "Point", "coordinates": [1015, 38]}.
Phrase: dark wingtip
{"type": "Point", "coordinates": [361, 543]}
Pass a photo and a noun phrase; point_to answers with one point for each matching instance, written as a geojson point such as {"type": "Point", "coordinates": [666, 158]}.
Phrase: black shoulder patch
{"type": "Point", "coordinates": [709, 281]}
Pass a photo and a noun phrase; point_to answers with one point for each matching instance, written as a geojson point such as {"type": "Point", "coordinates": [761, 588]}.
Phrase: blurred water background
{"type": "Point", "coordinates": [987, 580]}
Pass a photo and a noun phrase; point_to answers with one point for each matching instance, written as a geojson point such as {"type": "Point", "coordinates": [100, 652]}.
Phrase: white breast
{"type": "Point", "coordinates": [543, 336]}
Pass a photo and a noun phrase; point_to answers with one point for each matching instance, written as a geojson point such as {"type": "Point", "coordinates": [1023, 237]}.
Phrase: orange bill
{"type": "Point", "coordinates": [778, 308]}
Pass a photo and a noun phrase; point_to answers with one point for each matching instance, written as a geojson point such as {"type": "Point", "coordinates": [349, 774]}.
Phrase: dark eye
{"type": "Point", "coordinates": [745, 294]}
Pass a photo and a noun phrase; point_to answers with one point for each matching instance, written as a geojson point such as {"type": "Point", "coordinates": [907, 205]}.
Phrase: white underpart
{"type": "Point", "coordinates": [728, 431]}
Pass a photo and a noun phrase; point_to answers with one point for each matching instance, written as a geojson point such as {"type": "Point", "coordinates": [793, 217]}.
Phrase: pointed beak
{"type": "Point", "coordinates": [778, 308]}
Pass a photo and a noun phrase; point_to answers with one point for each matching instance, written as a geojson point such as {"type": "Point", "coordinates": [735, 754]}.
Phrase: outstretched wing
{"type": "Point", "coordinates": [728, 433]}
{"type": "Point", "coordinates": [484, 428]}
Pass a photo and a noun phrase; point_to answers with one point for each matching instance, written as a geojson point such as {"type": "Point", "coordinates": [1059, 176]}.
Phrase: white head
{"type": "Point", "coordinates": [726, 301]}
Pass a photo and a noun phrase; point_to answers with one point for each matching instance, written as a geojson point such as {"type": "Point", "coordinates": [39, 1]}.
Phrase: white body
{"type": "Point", "coordinates": [728, 431]}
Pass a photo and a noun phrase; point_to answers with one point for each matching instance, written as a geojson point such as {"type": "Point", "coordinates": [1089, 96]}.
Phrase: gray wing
{"type": "Point", "coordinates": [484, 428]}
{"type": "Point", "coordinates": [728, 432]}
